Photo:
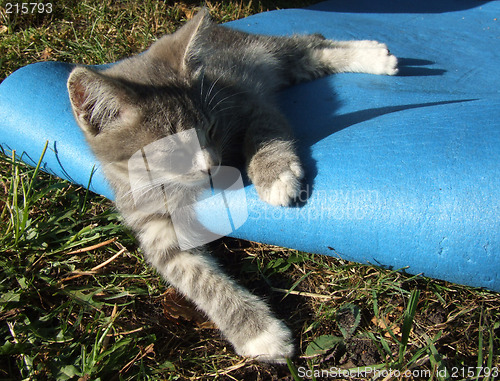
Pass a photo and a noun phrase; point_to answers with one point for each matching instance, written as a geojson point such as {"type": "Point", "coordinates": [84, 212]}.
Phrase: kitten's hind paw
{"type": "Point", "coordinates": [375, 58]}
{"type": "Point", "coordinates": [364, 56]}
{"type": "Point", "coordinates": [273, 345]}
{"type": "Point", "coordinates": [285, 188]}
{"type": "Point", "coordinates": [382, 61]}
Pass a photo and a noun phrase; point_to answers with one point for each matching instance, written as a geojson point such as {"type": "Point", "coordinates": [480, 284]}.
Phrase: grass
{"type": "Point", "coordinates": [78, 302]}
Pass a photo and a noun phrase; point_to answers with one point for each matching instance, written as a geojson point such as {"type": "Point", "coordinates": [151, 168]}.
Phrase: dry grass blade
{"type": "Point", "coordinates": [304, 293]}
{"type": "Point", "coordinates": [126, 332]}
{"type": "Point", "coordinates": [107, 337]}
{"type": "Point", "coordinates": [226, 371]}
{"type": "Point", "coordinates": [108, 261]}
{"type": "Point", "coordinates": [142, 353]}
{"type": "Point", "coordinates": [93, 270]}
{"type": "Point", "coordinates": [93, 247]}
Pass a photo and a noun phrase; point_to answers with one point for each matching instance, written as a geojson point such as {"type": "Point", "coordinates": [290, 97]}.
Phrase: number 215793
{"type": "Point", "coordinates": [25, 8]}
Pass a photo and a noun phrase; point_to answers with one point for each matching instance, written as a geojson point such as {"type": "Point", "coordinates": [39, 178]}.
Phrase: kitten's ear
{"type": "Point", "coordinates": [176, 48]}
{"type": "Point", "coordinates": [99, 101]}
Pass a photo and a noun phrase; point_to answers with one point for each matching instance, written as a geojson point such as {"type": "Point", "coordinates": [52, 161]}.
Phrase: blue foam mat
{"type": "Point", "coordinates": [401, 171]}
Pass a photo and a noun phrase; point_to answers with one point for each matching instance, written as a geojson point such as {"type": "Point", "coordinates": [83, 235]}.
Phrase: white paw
{"type": "Point", "coordinates": [285, 189]}
{"type": "Point", "coordinates": [273, 345]}
{"type": "Point", "coordinates": [377, 60]}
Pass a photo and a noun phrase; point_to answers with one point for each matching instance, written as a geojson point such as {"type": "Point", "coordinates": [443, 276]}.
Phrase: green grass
{"type": "Point", "coordinates": [78, 302]}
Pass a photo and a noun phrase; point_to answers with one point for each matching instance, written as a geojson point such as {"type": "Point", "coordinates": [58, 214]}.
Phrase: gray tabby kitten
{"type": "Point", "coordinates": [219, 83]}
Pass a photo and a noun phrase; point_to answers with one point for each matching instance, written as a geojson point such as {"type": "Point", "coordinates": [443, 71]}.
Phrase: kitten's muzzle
{"type": "Point", "coordinates": [206, 161]}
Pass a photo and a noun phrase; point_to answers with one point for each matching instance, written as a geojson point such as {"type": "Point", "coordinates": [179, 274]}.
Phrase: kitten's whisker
{"type": "Point", "coordinates": [215, 82]}
{"type": "Point", "coordinates": [217, 93]}
{"type": "Point", "coordinates": [228, 108]}
{"type": "Point", "coordinates": [228, 97]}
{"type": "Point", "coordinates": [148, 185]}
{"type": "Point", "coordinates": [212, 87]}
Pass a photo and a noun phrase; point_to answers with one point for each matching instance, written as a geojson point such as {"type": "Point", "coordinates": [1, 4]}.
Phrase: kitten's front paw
{"type": "Point", "coordinates": [283, 190]}
{"type": "Point", "coordinates": [273, 345]}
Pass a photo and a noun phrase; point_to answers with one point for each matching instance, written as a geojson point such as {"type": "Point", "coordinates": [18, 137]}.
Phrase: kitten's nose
{"type": "Point", "coordinates": [205, 159]}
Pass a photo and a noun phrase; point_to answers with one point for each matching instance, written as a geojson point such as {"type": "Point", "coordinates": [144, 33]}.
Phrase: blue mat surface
{"type": "Point", "coordinates": [401, 171]}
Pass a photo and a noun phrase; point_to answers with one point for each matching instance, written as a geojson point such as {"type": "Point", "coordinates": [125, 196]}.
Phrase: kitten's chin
{"type": "Point", "coordinates": [196, 180]}
{"type": "Point", "coordinates": [194, 184]}
{"type": "Point", "coordinates": [199, 178]}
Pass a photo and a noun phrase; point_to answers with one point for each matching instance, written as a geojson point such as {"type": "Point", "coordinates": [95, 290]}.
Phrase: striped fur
{"type": "Point", "coordinates": [221, 83]}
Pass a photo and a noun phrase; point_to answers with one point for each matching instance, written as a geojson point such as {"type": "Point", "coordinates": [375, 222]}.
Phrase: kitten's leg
{"type": "Point", "coordinates": [308, 57]}
{"type": "Point", "coordinates": [244, 319]}
{"type": "Point", "coordinates": [272, 161]}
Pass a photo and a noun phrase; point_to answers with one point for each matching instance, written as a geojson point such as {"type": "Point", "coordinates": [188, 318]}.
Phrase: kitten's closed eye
{"type": "Point", "coordinates": [212, 130]}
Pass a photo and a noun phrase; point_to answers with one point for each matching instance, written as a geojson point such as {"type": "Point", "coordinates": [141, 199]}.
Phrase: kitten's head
{"type": "Point", "coordinates": [145, 112]}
